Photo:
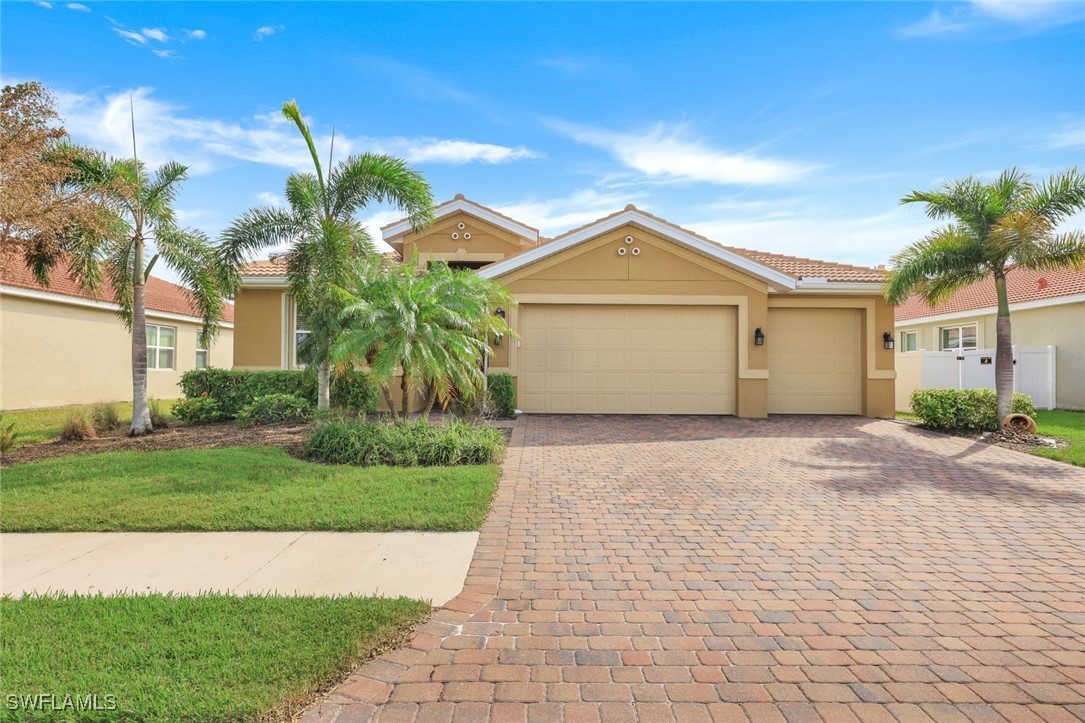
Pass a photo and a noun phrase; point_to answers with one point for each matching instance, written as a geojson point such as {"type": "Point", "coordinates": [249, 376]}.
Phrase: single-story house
{"type": "Point", "coordinates": [633, 314]}
{"type": "Point", "coordinates": [1047, 309]}
{"type": "Point", "coordinates": [61, 346]}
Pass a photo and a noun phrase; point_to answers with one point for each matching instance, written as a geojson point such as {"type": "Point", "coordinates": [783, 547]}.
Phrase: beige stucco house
{"type": "Point", "coordinates": [1047, 309]}
{"type": "Point", "coordinates": [59, 346]}
{"type": "Point", "coordinates": [633, 314]}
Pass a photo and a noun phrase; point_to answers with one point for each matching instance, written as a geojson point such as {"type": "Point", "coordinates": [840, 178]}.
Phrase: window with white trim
{"type": "Point", "coordinates": [203, 352]}
{"type": "Point", "coordinates": [161, 346]}
{"type": "Point", "coordinates": [909, 340]}
{"type": "Point", "coordinates": [961, 337]}
{"type": "Point", "coordinates": [301, 333]}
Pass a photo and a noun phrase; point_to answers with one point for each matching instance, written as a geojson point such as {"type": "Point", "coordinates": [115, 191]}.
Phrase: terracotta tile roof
{"type": "Point", "coordinates": [1023, 286]}
{"type": "Point", "coordinates": [265, 267]}
{"type": "Point", "coordinates": [160, 295]}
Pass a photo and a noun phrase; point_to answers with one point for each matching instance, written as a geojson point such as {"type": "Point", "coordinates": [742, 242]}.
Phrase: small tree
{"type": "Point", "coordinates": [324, 236]}
{"type": "Point", "coordinates": [996, 228]}
{"type": "Point", "coordinates": [432, 326]}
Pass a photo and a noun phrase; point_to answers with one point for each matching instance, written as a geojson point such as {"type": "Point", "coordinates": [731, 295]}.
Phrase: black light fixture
{"type": "Point", "coordinates": [888, 341]}
{"type": "Point", "coordinates": [500, 313]}
{"type": "Point", "coordinates": [758, 337]}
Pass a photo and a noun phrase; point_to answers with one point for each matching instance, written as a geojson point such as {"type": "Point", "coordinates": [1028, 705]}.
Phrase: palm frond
{"type": "Point", "coordinates": [946, 260]}
{"type": "Point", "coordinates": [371, 177]}
{"type": "Point", "coordinates": [1059, 197]}
{"type": "Point", "coordinates": [293, 113]}
{"type": "Point", "coordinates": [191, 255]}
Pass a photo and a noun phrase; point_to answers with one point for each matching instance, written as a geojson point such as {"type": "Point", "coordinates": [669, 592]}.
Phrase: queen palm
{"type": "Point", "coordinates": [140, 219]}
{"type": "Point", "coordinates": [433, 325]}
{"type": "Point", "coordinates": [996, 228]}
{"type": "Point", "coordinates": [325, 239]}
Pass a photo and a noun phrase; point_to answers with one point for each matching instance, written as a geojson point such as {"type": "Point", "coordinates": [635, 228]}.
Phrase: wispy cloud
{"type": "Point", "coordinates": [269, 199]}
{"type": "Point", "coordinates": [557, 215]}
{"type": "Point", "coordinates": [156, 34]}
{"type": "Point", "coordinates": [196, 34]}
{"type": "Point", "coordinates": [670, 152]}
{"type": "Point", "coordinates": [166, 132]}
{"type": "Point", "coordinates": [132, 37]}
{"type": "Point", "coordinates": [266, 31]}
{"type": "Point", "coordinates": [1033, 15]}
{"type": "Point", "coordinates": [1070, 136]}
{"type": "Point", "coordinates": [80, 7]}
{"type": "Point", "coordinates": [43, 4]}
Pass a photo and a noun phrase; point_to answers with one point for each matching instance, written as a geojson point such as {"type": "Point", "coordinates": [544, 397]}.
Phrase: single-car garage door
{"type": "Point", "coordinates": [814, 361]}
{"type": "Point", "coordinates": [627, 359]}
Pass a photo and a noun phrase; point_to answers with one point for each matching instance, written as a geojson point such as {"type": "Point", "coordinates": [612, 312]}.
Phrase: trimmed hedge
{"type": "Point", "coordinates": [412, 444]}
{"type": "Point", "coordinates": [198, 410]}
{"type": "Point", "coordinates": [964, 408]}
{"type": "Point", "coordinates": [502, 394]}
{"type": "Point", "coordinates": [275, 409]}
{"type": "Point", "coordinates": [234, 389]}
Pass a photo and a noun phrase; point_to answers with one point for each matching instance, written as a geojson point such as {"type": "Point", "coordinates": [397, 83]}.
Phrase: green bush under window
{"type": "Point", "coordinates": [964, 408]}
{"type": "Point", "coordinates": [234, 389]}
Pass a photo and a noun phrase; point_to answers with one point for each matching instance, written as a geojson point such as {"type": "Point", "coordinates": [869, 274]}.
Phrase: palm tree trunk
{"type": "Point", "coordinates": [141, 412]}
{"type": "Point", "coordinates": [1003, 350]}
{"type": "Point", "coordinates": [431, 397]}
{"type": "Point", "coordinates": [406, 410]}
{"type": "Point", "coordinates": [323, 385]}
{"type": "Point", "coordinates": [387, 392]}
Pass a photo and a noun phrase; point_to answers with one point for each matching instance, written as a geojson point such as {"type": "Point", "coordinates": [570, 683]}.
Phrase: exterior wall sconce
{"type": "Point", "coordinates": [887, 340]}
{"type": "Point", "coordinates": [758, 337]}
{"type": "Point", "coordinates": [500, 313]}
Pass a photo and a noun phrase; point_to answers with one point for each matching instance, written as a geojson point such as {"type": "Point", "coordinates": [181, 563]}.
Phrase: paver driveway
{"type": "Point", "coordinates": [661, 568]}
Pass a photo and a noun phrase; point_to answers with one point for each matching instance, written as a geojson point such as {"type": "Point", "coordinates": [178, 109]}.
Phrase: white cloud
{"type": "Point", "coordinates": [156, 34]}
{"type": "Point", "coordinates": [43, 4]}
{"type": "Point", "coordinates": [432, 150]}
{"type": "Point", "coordinates": [197, 34]}
{"type": "Point", "coordinates": [165, 132]}
{"type": "Point", "coordinates": [669, 152]}
{"type": "Point", "coordinates": [266, 31]}
{"type": "Point", "coordinates": [165, 53]}
{"type": "Point", "coordinates": [1071, 136]}
{"type": "Point", "coordinates": [131, 37]}
{"type": "Point", "coordinates": [556, 215]}
{"type": "Point", "coordinates": [78, 6]}
{"type": "Point", "coordinates": [269, 199]}
{"type": "Point", "coordinates": [1030, 15]}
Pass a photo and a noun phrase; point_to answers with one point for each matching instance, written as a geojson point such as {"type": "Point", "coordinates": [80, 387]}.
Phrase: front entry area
{"type": "Point", "coordinates": [815, 361]}
{"type": "Point", "coordinates": [627, 359]}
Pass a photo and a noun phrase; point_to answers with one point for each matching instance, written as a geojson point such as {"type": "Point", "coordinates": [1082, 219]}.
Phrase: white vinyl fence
{"type": "Point", "coordinates": [1033, 372]}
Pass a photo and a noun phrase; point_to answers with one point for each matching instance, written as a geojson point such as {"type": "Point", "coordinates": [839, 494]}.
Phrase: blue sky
{"type": "Point", "coordinates": [785, 127]}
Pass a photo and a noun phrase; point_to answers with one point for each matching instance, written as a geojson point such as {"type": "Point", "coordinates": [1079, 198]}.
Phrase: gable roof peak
{"type": "Point", "coordinates": [459, 203]}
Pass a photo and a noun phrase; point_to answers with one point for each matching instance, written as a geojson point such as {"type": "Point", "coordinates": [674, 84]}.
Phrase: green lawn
{"type": "Point", "coordinates": [1063, 424]}
{"type": "Point", "coordinates": [242, 488]}
{"type": "Point", "coordinates": [205, 658]}
{"type": "Point", "coordinates": [42, 425]}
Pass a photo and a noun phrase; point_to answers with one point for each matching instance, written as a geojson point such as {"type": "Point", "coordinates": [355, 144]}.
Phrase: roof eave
{"type": "Point", "coordinates": [391, 231]}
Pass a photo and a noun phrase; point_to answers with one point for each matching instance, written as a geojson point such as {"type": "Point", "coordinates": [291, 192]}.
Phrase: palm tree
{"type": "Point", "coordinates": [435, 326]}
{"type": "Point", "coordinates": [996, 228]}
{"type": "Point", "coordinates": [141, 218]}
{"type": "Point", "coordinates": [325, 237]}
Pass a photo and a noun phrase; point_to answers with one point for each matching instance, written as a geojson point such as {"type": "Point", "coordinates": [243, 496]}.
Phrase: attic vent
{"type": "Point", "coordinates": [461, 224]}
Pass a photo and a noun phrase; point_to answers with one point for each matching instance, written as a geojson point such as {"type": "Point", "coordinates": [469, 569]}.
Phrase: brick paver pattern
{"type": "Point", "coordinates": [696, 569]}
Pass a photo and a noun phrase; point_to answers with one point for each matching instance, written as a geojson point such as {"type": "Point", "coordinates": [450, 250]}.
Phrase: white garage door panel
{"type": "Point", "coordinates": [627, 359]}
{"type": "Point", "coordinates": [814, 361]}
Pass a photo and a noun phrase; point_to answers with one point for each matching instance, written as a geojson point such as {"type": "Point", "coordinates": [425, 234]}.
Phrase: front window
{"type": "Point", "coordinates": [203, 353]}
{"type": "Point", "coordinates": [301, 333]}
{"type": "Point", "coordinates": [161, 346]}
{"type": "Point", "coordinates": [909, 341]}
{"type": "Point", "coordinates": [955, 338]}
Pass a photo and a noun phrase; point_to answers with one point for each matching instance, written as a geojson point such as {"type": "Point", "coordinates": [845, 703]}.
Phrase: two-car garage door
{"type": "Point", "coordinates": [627, 359]}
{"type": "Point", "coordinates": [648, 359]}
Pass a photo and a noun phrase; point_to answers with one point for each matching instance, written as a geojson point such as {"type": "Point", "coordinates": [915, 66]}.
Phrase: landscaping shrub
{"type": "Point", "coordinates": [77, 427]}
{"type": "Point", "coordinates": [274, 409]}
{"type": "Point", "coordinates": [964, 408]}
{"type": "Point", "coordinates": [236, 389]}
{"type": "Point", "coordinates": [159, 416]}
{"type": "Point", "coordinates": [502, 393]}
{"type": "Point", "coordinates": [8, 436]}
{"type": "Point", "coordinates": [198, 410]}
{"type": "Point", "coordinates": [105, 417]}
{"type": "Point", "coordinates": [410, 444]}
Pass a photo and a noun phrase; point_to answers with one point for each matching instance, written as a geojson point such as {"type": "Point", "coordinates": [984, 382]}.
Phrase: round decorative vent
{"type": "Point", "coordinates": [461, 224]}
{"type": "Point", "coordinates": [636, 251]}
{"type": "Point", "coordinates": [629, 239]}
{"type": "Point", "coordinates": [466, 235]}
{"type": "Point", "coordinates": [455, 236]}
{"type": "Point", "coordinates": [621, 250]}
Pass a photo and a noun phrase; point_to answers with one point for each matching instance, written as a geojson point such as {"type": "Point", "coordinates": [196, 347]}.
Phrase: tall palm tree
{"type": "Point", "coordinates": [324, 235]}
{"type": "Point", "coordinates": [435, 326]}
{"type": "Point", "coordinates": [141, 220]}
{"type": "Point", "coordinates": [996, 228]}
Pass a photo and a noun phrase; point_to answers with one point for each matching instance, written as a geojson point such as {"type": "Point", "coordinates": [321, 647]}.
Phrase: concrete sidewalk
{"type": "Point", "coordinates": [425, 565]}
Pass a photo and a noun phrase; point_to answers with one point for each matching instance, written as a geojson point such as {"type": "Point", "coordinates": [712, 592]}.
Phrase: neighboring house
{"type": "Point", "coordinates": [61, 346]}
{"type": "Point", "coordinates": [632, 314]}
{"type": "Point", "coordinates": [1047, 309]}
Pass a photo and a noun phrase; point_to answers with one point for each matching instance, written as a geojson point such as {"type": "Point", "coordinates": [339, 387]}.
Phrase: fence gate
{"type": "Point", "coordinates": [1033, 371]}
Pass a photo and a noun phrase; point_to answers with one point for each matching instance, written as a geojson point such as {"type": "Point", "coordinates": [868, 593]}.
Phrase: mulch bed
{"type": "Point", "coordinates": [1009, 438]}
{"type": "Point", "coordinates": [206, 436]}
